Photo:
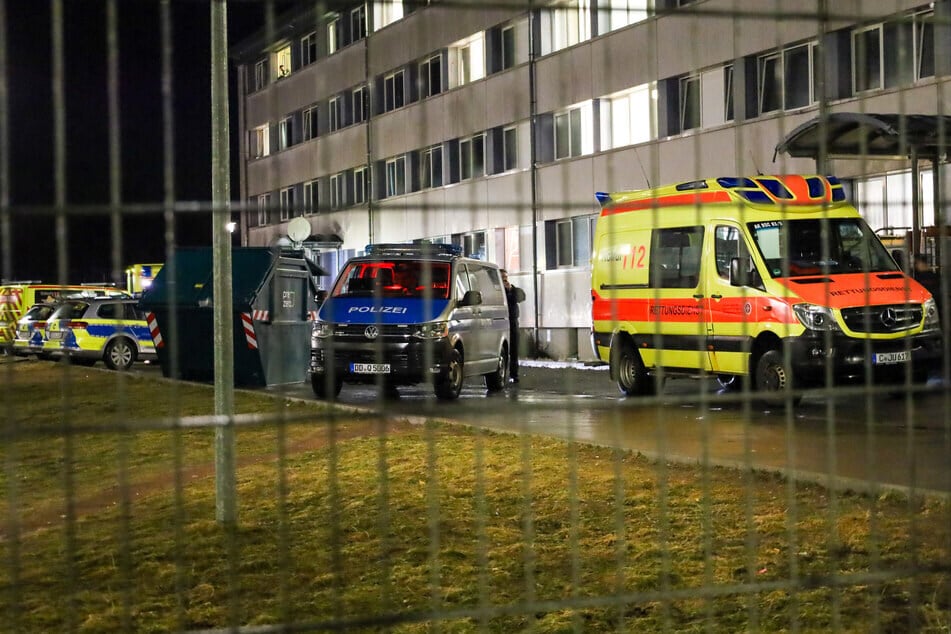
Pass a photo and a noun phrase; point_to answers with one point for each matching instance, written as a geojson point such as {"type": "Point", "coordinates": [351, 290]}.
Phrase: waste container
{"type": "Point", "coordinates": [273, 301]}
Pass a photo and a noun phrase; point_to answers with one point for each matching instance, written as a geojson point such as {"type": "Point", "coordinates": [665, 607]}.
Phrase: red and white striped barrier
{"type": "Point", "coordinates": [248, 323]}
{"type": "Point", "coordinates": [154, 330]}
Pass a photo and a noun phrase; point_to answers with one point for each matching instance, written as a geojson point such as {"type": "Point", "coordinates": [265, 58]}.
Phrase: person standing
{"type": "Point", "coordinates": [514, 295]}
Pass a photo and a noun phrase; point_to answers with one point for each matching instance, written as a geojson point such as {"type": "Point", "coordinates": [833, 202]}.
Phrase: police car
{"type": "Point", "coordinates": [107, 329]}
{"type": "Point", "coordinates": [29, 334]}
{"type": "Point", "coordinates": [411, 313]}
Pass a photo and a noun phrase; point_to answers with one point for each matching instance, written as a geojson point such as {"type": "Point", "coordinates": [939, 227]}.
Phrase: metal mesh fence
{"type": "Point", "coordinates": [728, 220]}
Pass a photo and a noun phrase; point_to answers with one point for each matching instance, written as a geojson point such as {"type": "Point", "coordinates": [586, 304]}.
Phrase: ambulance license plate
{"type": "Point", "coordinates": [886, 358]}
{"type": "Point", "coordinates": [370, 368]}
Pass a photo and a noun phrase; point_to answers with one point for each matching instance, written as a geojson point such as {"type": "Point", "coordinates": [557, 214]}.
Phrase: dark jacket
{"type": "Point", "coordinates": [514, 295]}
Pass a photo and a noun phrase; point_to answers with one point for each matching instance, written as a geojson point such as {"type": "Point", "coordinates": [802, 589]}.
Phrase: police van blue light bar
{"type": "Point", "coordinates": [414, 248]}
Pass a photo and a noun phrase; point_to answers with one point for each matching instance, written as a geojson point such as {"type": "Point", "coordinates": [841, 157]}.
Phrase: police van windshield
{"type": "Point", "coordinates": [815, 247]}
{"type": "Point", "coordinates": [394, 278]}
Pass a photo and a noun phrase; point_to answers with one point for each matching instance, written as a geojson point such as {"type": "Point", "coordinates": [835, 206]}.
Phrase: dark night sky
{"type": "Point", "coordinates": [29, 55]}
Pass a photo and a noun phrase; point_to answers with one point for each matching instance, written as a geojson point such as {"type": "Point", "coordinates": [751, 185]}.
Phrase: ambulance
{"type": "Point", "coordinates": [18, 297]}
{"type": "Point", "coordinates": [772, 280]}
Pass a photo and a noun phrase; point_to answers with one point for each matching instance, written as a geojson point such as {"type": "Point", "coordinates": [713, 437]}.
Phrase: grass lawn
{"type": "Point", "coordinates": [351, 521]}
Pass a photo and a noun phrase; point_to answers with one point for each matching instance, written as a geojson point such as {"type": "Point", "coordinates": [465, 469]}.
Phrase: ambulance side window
{"type": "Point", "coordinates": [728, 244]}
{"type": "Point", "coordinates": [675, 257]}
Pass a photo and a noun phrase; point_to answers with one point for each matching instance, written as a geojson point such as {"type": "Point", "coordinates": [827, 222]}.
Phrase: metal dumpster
{"type": "Point", "coordinates": [273, 294]}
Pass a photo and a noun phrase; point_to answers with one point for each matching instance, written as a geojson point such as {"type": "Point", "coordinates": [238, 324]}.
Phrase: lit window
{"type": "Point", "coordinates": [562, 27]}
{"type": "Point", "coordinates": [287, 203]}
{"type": "Point", "coordinates": [308, 49]}
{"type": "Point", "coordinates": [629, 118]}
{"type": "Point", "coordinates": [311, 203]}
{"type": "Point", "coordinates": [260, 141]}
{"type": "Point", "coordinates": [282, 62]}
{"type": "Point", "coordinates": [385, 13]}
{"type": "Point", "coordinates": [615, 14]}
{"type": "Point", "coordinates": [467, 60]}
{"type": "Point", "coordinates": [396, 176]}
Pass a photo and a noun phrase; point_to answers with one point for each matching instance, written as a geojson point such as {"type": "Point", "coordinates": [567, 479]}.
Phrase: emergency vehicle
{"type": "Point", "coordinates": [139, 277]}
{"type": "Point", "coordinates": [18, 297]}
{"type": "Point", "coordinates": [777, 278]}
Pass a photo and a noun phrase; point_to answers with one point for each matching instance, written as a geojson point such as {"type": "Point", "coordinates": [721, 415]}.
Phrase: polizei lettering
{"type": "Point", "coordinates": [399, 310]}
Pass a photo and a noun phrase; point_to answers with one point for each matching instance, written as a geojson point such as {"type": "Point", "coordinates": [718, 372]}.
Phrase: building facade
{"type": "Point", "coordinates": [492, 126]}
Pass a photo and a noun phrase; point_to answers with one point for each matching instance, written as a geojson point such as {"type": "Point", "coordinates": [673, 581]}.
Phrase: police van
{"type": "Point", "coordinates": [404, 314]}
{"type": "Point", "coordinates": [774, 278]}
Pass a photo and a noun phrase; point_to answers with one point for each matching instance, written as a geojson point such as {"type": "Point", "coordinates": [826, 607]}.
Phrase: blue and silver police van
{"type": "Point", "coordinates": [403, 314]}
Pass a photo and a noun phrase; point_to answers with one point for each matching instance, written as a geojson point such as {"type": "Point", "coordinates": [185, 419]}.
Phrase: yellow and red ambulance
{"type": "Point", "coordinates": [18, 297]}
{"type": "Point", "coordinates": [775, 278]}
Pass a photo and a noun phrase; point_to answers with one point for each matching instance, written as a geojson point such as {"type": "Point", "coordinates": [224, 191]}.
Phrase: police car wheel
{"type": "Point", "coordinates": [495, 381]}
{"type": "Point", "coordinates": [323, 389]}
{"type": "Point", "coordinates": [632, 377]}
{"type": "Point", "coordinates": [449, 387]}
{"type": "Point", "coordinates": [120, 354]}
{"type": "Point", "coordinates": [773, 378]}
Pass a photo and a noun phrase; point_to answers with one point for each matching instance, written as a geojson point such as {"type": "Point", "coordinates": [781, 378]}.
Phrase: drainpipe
{"type": "Point", "coordinates": [533, 122]}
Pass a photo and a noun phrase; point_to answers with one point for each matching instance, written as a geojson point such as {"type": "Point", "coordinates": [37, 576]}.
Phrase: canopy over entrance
{"type": "Point", "coordinates": [859, 135]}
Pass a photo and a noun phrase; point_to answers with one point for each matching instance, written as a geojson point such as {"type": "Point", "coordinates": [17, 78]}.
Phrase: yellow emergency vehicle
{"type": "Point", "coordinates": [773, 277]}
{"type": "Point", "coordinates": [18, 297]}
{"type": "Point", "coordinates": [138, 277]}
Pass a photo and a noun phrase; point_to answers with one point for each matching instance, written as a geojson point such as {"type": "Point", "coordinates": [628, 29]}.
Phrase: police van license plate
{"type": "Point", "coordinates": [885, 358]}
{"type": "Point", "coordinates": [370, 368]}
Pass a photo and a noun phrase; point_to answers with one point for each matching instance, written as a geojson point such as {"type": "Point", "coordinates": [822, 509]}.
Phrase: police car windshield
{"type": "Point", "coordinates": [814, 247]}
{"type": "Point", "coordinates": [394, 278]}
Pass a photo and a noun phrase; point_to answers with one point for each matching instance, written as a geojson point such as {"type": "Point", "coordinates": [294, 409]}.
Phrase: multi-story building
{"type": "Point", "coordinates": [492, 124]}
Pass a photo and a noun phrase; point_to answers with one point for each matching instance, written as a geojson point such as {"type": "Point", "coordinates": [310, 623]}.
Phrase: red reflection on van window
{"type": "Point", "coordinates": [395, 278]}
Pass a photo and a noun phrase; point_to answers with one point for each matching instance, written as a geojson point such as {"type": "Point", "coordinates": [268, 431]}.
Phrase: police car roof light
{"type": "Point", "coordinates": [415, 248]}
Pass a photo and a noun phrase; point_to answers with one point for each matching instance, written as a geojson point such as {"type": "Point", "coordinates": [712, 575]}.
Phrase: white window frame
{"type": "Point", "coordinates": [390, 83]}
{"type": "Point", "coordinates": [287, 203]}
{"type": "Point", "coordinates": [336, 113]}
{"type": "Point", "coordinates": [509, 157]}
{"type": "Point", "coordinates": [260, 74]}
{"type": "Point", "coordinates": [264, 210]}
{"type": "Point", "coordinates": [262, 141]}
{"type": "Point", "coordinates": [308, 48]}
{"type": "Point", "coordinates": [888, 50]}
{"type": "Point", "coordinates": [584, 121]}
{"type": "Point", "coordinates": [566, 257]}
{"type": "Point", "coordinates": [333, 42]}
{"type": "Point", "coordinates": [778, 59]}
{"type": "Point", "coordinates": [430, 172]}
{"type": "Point", "coordinates": [358, 17]}
{"type": "Point", "coordinates": [309, 120]}
{"type": "Point", "coordinates": [467, 60]}
{"type": "Point", "coordinates": [686, 82]}
{"type": "Point", "coordinates": [425, 76]}
{"type": "Point", "coordinates": [338, 191]}
{"type": "Point", "coordinates": [285, 133]}
{"type": "Point", "coordinates": [386, 13]}
{"type": "Point", "coordinates": [282, 61]}
{"type": "Point", "coordinates": [311, 202]}
{"type": "Point", "coordinates": [359, 185]}
{"type": "Point", "coordinates": [507, 63]}
{"type": "Point", "coordinates": [468, 168]}
{"type": "Point", "coordinates": [565, 26]}
{"type": "Point", "coordinates": [616, 14]}
{"type": "Point", "coordinates": [396, 176]}
{"type": "Point", "coordinates": [359, 96]}
{"type": "Point", "coordinates": [623, 116]}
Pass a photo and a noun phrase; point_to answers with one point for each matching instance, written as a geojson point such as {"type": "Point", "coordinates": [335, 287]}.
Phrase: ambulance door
{"type": "Point", "coordinates": [676, 300]}
{"type": "Point", "coordinates": [729, 310]}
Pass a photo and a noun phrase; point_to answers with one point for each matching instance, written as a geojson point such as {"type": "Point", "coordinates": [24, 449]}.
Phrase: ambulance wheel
{"type": "Point", "coordinates": [449, 387]}
{"type": "Point", "coordinates": [495, 381]}
{"type": "Point", "coordinates": [120, 354]}
{"type": "Point", "coordinates": [319, 384]}
{"type": "Point", "coordinates": [773, 378]}
{"type": "Point", "coordinates": [632, 377]}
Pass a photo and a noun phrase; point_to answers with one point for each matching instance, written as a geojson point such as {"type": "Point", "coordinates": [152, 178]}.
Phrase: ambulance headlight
{"type": "Point", "coordinates": [816, 317]}
{"type": "Point", "coordinates": [932, 320]}
{"type": "Point", "coordinates": [433, 330]}
{"type": "Point", "coordinates": [321, 330]}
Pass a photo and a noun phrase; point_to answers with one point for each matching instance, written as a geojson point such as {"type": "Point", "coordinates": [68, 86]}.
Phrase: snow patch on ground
{"type": "Point", "coordinates": [575, 365]}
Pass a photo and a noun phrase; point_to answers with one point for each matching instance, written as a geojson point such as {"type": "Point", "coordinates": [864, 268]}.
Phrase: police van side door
{"type": "Point", "coordinates": [462, 321]}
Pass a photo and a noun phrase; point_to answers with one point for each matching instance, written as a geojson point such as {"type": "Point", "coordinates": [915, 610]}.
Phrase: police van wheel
{"type": "Point", "coordinates": [632, 377]}
{"type": "Point", "coordinates": [449, 387]}
{"type": "Point", "coordinates": [495, 381]}
{"type": "Point", "coordinates": [120, 354]}
{"type": "Point", "coordinates": [773, 378]}
{"type": "Point", "coordinates": [321, 388]}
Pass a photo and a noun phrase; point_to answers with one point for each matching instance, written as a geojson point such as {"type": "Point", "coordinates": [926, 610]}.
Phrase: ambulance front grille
{"type": "Point", "coordinates": [882, 319]}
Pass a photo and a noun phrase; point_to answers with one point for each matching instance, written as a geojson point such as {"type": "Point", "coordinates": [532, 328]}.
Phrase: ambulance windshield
{"type": "Point", "coordinates": [793, 248]}
{"type": "Point", "coordinates": [395, 278]}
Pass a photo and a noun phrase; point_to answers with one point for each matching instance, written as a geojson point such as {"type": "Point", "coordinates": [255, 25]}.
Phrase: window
{"type": "Point", "coordinates": [385, 13]}
{"type": "Point", "coordinates": [728, 244]}
{"type": "Point", "coordinates": [338, 191]}
{"type": "Point", "coordinates": [396, 176]}
{"type": "Point", "coordinates": [508, 245]}
{"type": "Point", "coordinates": [472, 157]}
{"type": "Point", "coordinates": [508, 47]}
{"type": "Point", "coordinates": [286, 133]}
{"type": "Point", "coordinates": [358, 23]}
{"type": "Point", "coordinates": [264, 210]}
{"type": "Point", "coordinates": [675, 257]}
{"type": "Point", "coordinates": [359, 186]}
{"type": "Point", "coordinates": [283, 62]}
{"type": "Point", "coordinates": [360, 105]}
{"type": "Point", "coordinates": [430, 76]}
{"type": "Point", "coordinates": [894, 53]}
{"type": "Point", "coordinates": [287, 203]}
{"type": "Point", "coordinates": [260, 74]}
{"type": "Point", "coordinates": [689, 102]}
{"type": "Point", "coordinates": [562, 27]}
{"type": "Point", "coordinates": [308, 49]}
{"type": "Point", "coordinates": [334, 35]}
{"type": "Point", "coordinates": [311, 202]}
{"type": "Point", "coordinates": [500, 50]}
{"type": "Point", "coordinates": [786, 78]}
{"type": "Point", "coordinates": [430, 167]}
{"type": "Point", "coordinates": [509, 149]}
{"type": "Point", "coordinates": [467, 60]}
{"type": "Point", "coordinates": [728, 92]}
{"type": "Point", "coordinates": [629, 117]}
{"type": "Point", "coordinates": [615, 14]}
{"type": "Point", "coordinates": [569, 241]}
{"type": "Point", "coordinates": [568, 133]}
{"type": "Point", "coordinates": [336, 114]}
{"type": "Point", "coordinates": [393, 91]}
{"type": "Point", "coordinates": [472, 243]}
{"type": "Point", "coordinates": [260, 141]}
{"type": "Point", "coordinates": [310, 123]}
